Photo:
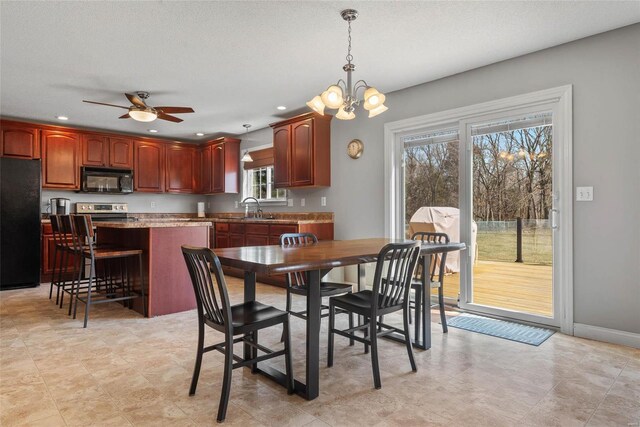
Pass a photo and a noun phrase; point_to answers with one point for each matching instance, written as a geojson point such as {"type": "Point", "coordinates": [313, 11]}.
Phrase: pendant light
{"type": "Point", "coordinates": [246, 157]}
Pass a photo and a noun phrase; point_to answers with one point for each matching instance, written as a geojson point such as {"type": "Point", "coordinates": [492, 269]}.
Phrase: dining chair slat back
{"type": "Point", "coordinates": [400, 265]}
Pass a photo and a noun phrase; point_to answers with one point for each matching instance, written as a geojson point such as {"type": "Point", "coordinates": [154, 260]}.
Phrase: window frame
{"type": "Point", "coordinates": [247, 183]}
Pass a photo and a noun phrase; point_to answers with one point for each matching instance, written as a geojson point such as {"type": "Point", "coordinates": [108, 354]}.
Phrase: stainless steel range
{"type": "Point", "coordinates": [105, 211]}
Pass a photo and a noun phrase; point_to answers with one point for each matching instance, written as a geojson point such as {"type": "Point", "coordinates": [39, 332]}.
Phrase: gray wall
{"type": "Point", "coordinates": [605, 73]}
{"type": "Point", "coordinates": [138, 202]}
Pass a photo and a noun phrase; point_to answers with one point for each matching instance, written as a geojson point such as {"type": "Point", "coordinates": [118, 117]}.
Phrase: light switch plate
{"type": "Point", "coordinates": [303, 202]}
{"type": "Point", "coordinates": [236, 204]}
{"type": "Point", "coordinates": [584, 194]}
{"type": "Point", "coordinates": [153, 204]}
{"type": "Point", "coordinates": [290, 202]}
{"type": "Point", "coordinates": [323, 201]}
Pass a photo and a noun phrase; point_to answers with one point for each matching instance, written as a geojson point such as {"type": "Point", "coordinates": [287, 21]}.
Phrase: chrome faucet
{"type": "Point", "coordinates": [257, 213]}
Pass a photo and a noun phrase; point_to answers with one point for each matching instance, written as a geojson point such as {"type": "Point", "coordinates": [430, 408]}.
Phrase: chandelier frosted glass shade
{"type": "Point", "coordinates": [373, 99]}
{"type": "Point", "coordinates": [246, 157]}
{"type": "Point", "coordinates": [143, 115]}
{"type": "Point", "coordinates": [378, 110]}
{"type": "Point", "coordinates": [332, 97]}
{"type": "Point", "coordinates": [317, 105]}
{"type": "Point", "coordinates": [343, 115]}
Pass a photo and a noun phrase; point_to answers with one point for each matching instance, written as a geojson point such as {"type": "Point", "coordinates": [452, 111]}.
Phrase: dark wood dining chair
{"type": "Point", "coordinates": [297, 282]}
{"type": "Point", "coordinates": [434, 278]}
{"type": "Point", "coordinates": [246, 319]}
{"type": "Point", "coordinates": [395, 267]}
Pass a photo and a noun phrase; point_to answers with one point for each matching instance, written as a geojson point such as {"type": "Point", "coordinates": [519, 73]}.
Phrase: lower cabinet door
{"type": "Point", "coordinates": [222, 240]}
{"type": "Point", "coordinates": [236, 240]}
{"type": "Point", "coordinates": [256, 240]}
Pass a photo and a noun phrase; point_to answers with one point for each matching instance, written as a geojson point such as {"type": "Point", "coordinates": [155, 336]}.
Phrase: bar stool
{"type": "Point", "coordinates": [59, 253]}
{"type": "Point", "coordinates": [115, 283]}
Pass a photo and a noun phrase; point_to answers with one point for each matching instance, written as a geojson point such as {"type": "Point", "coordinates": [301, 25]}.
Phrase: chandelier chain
{"type": "Point", "coordinates": [349, 57]}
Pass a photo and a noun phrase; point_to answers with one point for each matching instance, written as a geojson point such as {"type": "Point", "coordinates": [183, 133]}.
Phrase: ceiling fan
{"type": "Point", "coordinates": [142, 112]}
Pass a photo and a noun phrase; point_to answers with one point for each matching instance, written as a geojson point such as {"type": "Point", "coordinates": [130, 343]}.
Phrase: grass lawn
{"type": "Point", "coordinates": [501, 246]}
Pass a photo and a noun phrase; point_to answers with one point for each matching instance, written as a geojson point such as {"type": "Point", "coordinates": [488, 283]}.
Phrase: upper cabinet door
{"type": "Point", "coordinates": [217, 172]}
{"type": "Point", "coordinates": [205, 170]}
{"type": "Point", "coordinates": [19, 141]}
{"type": "Point", "coordinates": [121, 153]}
{"type": "Point", "coordinates": [181, 168]}
{"type": "Point", "coordinates": [95, 150]}
{"type": "Point", "coordinates": [149, 166]}
{"type": "Point", "coordinates": [61, 158]}
{"type": "Point", "coordinates": [281, 156]}
{"type": "Point", "coordinates": [302, 153]}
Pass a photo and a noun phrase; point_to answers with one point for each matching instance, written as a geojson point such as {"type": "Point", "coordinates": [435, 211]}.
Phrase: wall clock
{"type": "Point", "coordinates": [355, 148]}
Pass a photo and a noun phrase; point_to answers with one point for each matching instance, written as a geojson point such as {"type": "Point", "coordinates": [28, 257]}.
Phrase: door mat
{"type": "Point", "coordinates": [501, 328]}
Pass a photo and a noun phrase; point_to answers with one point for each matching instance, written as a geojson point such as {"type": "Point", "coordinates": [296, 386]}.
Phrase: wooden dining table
{"type": "Point", "coordinates": [316, 259]}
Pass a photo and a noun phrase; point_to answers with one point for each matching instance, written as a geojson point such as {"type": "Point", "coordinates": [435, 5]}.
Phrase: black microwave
{"type": "Point", "coordinates": [104, 180]}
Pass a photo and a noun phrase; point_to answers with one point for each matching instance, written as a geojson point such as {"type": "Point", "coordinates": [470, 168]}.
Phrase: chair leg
{"type": "Point", "coordinates": [75, 285]}
{"type": "Point", "coordinates": [373, 327]}
{"type": "Point", "coordinates": [407, 338]}
{"type": "Point", "coordinates": [443, 317]}
{"type": "Point", "coordinates": [332, 321]}
{"type": "Point", "coordinates": [366, 334]}
{"type": "Point", "coordinates": [254, 351]}
{"type": "Point", "coordinates": [199, 353]}
{"type": "Point", "coordinates": [417, 303]}
{"type": "Point", "coordinates": [87, 305]}
{"type": "Point", "coordinates": [53, 272]}
{"type": "Point", "coordinates": [351, 340]}
{"type": "Point", "coordinates": [287, 356]}
{"type": "Point", "coordinates": [288, 309]}
{"type": "Point", "coordinates": [226, 383]}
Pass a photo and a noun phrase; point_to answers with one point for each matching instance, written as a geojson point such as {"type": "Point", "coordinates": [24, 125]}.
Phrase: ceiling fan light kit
{"type": "Point", "coordinates": [343, 96]}
{"type": "Point", "coordinates": [141, 112]}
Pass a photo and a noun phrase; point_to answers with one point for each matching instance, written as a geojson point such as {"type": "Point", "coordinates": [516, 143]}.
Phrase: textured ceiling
{"type": "Point", "coordinates": [234, 62]}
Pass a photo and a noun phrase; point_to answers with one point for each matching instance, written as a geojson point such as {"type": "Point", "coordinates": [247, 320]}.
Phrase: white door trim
{"type": "Point", "coordinates": [561, 98]}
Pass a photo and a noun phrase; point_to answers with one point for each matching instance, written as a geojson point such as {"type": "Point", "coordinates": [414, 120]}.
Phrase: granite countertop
{"type": "Point", "coordinates": [187, 220]}
{"type": "Point", "coordinates": [152, 224]}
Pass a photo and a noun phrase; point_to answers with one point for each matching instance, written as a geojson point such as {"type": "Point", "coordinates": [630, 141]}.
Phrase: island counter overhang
{"type": "Point", "coordinates": [167, 282]}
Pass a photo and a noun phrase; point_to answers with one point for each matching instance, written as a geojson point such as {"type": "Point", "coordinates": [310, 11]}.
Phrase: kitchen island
{"type": "Point", "coordinates": [168, 286]}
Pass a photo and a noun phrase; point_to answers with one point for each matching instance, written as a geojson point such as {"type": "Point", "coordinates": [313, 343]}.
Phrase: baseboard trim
{"type": "Point", "coordinates": [613, 336]}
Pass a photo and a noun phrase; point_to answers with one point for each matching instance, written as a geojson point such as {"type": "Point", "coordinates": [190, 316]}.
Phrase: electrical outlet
{"type": "Point", "coordinates": [208, 205]}
{"type": "Point", "coordinates": [290, 203]}
{"type": "Point", "coordinates": [323, 201]}
{"type": "Point", "coordinates": [584, 194]}
{"type": "Point", "coordinates": [153, 205]}
{"type": "Point", "coordinates": [302, 202]}
{"type": "Point", "coordinates": [236, 204]}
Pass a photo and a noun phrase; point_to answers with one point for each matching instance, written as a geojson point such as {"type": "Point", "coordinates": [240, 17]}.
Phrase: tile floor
{"type": "Point", "coordinates": [125, 370]}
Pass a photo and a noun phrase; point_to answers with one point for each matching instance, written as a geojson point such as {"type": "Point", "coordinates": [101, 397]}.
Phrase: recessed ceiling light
{"type": "Point", "coordinates": [281, 107]}
{"type": "Point", "coordinates": [62, 117]}
{"type": "Point", "coordinates": [153, 131]}
{"type": "Point", "coordinates": [199, 134]}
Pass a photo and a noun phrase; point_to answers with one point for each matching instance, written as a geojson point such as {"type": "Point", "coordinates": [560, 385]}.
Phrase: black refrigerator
{"type": "Point", "coordinates": [20, 226]}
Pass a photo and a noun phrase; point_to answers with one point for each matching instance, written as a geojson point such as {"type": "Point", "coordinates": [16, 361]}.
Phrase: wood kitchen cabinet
{"type": "Point", "coordinates": [302, 151]}
{"type": "Point", "coordinates": [149, 166]}
{"type": "Point", "coordinates": [103, 151]}
{"type": "Point", "coordinates": [19, 140]}
{"type": "Point", "coordinates": [220, 166]}
{"type": "Point", "coordinates": [247, 233]}
{"type": "Point", "coordinates": [181, 168]}
{"type": "Point", "coordinates": [60, 159]}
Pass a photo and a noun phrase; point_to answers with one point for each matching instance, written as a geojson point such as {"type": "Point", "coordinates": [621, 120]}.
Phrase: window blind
{"type": "Point", "coordinates": [261, 158]}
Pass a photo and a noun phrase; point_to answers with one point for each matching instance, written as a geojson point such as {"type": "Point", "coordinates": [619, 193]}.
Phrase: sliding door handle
{"type": "Point", "coordinates": [552, 218]}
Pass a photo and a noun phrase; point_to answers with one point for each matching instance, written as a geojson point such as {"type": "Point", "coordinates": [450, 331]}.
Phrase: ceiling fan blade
{"type": "Point", "coordinates": [109, 105]}
{"type": "Point", "coordinates": [164, 116]}
{"type": "Point", "coordinates": [125, 116]}
{"type": "Point", "coordinates": [135, 100]}
{"type": "Point", "coordinates": [175, 110]}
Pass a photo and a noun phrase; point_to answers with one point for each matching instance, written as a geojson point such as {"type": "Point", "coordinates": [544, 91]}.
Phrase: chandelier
{"type": "Point", "coordinates": [343, 95]}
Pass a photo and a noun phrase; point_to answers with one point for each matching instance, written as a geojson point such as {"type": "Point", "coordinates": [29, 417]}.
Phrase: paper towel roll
{"type": "Point", "coordinates": [200, 209]}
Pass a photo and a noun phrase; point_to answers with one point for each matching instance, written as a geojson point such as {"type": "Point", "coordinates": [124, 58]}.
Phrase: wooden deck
{"type": "Point", "coordinates": [513, 286]}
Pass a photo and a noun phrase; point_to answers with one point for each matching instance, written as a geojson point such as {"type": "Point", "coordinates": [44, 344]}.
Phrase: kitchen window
{"type": "Point", "coordinates": [258, 179]}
